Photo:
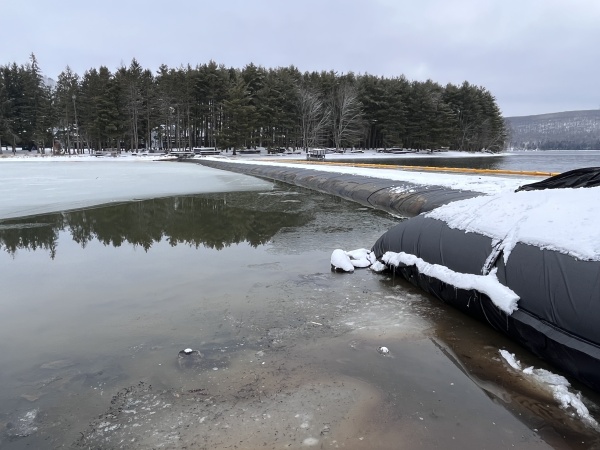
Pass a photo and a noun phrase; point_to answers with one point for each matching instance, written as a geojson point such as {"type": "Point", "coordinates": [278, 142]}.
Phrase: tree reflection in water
{"type": "Point", "coordinates": [209, 220]}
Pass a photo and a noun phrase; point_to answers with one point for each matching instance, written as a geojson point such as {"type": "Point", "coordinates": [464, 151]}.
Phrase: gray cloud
{"type": "Point", "coordinates": [535, 56]}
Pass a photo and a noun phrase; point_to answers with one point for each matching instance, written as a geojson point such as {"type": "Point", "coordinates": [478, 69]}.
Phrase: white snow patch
{"type": "Point", "coordinates": [510, 359]}
{"type": "Point", "coordinates": [361, 257]}
{"type": "Point", "coordinates": [340, 260]}
{"type": "Point", "coordinates": [564, 220]}
{"type": "Point", "coordinates": [348, 260]}
{"type": "Point", "coordinates": [378, 267]}
{"type": "Point", "coordinates": [503, 297]}
{"type": "Point", "coordinates": [558, 386]}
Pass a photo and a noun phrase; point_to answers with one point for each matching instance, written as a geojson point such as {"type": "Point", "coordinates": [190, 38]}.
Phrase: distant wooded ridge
{"type": "Point", "coordinates": [568, 130]}
{"type": "Point", "coordinates": [229, 108]}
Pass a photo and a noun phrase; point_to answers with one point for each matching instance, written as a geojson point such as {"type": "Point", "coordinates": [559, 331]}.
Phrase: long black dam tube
{"type": "Point", "coordinates": [395, 197]}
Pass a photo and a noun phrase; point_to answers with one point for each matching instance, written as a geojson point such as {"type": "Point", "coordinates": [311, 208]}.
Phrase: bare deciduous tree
{"type": "Point", "coordinates": [346, 115]}
{"type": "Point", "coordinates": [314, 117]}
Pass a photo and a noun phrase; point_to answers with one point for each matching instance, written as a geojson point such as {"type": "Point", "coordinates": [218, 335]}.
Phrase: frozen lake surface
{"type": "Point", "coordinates": [42, 185]}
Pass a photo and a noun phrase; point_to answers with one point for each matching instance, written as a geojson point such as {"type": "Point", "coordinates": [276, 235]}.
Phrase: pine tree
{"type": "Point", "coordinates": [238, 116]}
{"type": "Point", "coordinates": [4, 108]}
{"type": "Point", "coordinates": [254, 77]}
{"type": "Point", "coordinates": [130, 85]}
{"type": "Point", "coordinates": [65, 94]}
{"type": "Point", "coordinates": [37, 106]}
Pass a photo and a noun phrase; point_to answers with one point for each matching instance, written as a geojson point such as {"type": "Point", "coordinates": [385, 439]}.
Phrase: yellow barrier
{"type": "Point", "coordinates": [430, 168]}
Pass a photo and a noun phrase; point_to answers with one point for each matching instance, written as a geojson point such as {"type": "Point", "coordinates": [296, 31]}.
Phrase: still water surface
{"type": "Point", "coordinates": [98, 303]}
{"type": "Point", "coordinates": [540, 161]}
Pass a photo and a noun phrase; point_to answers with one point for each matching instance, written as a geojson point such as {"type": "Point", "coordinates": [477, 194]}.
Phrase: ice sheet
{"type": "Point", "coordinates": [44, 185]}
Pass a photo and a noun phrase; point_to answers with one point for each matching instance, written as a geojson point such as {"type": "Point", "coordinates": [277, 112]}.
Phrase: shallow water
{"type": "Point", "coordinates": [98, 303]}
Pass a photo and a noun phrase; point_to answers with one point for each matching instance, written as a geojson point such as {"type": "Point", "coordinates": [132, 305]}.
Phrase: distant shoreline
{"type": "Point", "coordinates": [366, 154]}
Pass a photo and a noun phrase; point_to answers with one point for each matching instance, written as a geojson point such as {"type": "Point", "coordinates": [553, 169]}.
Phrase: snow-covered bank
{"type": "Point", "coordinates": [48, 184]}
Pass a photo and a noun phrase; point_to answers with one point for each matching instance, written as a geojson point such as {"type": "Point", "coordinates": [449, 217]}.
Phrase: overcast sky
{"type": "Point", "coordinates": [535, 56]}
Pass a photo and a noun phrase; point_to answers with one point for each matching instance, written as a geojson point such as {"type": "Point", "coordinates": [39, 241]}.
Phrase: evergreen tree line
{"type": "Point", "coordinates": [228, 108]}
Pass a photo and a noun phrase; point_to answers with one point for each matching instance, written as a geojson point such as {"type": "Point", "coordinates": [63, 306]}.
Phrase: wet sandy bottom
{"type": "Point", "coordinates": [321, 382]}
{"type": "Point", "coordinates": [305, 371]}
{"type": "Point", "coordinates": [316, 395]}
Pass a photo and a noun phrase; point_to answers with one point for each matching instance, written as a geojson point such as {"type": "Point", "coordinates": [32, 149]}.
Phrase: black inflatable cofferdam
{"type": "Point", "coordinates": [377, 193]}
{"type": "Point", "coordinates": [558, 306]}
